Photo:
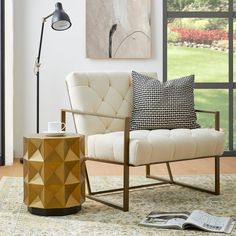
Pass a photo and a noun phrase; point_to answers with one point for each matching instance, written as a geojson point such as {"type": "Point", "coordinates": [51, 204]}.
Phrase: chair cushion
{"type": "Point", "coordinates": [157, 145]}
{"type": "Point", "coordinates": [158, 105]}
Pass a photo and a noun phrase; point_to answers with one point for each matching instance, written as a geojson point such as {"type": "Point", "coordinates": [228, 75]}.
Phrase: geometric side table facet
{"type": "Point", "coordinates": [54, 174]}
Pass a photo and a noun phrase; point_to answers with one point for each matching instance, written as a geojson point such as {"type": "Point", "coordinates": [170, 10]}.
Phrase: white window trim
{"type": "Point", "coordinates": [9, 146]}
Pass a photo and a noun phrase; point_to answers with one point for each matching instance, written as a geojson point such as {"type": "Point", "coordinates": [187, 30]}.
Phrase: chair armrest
{"type": "Point", "coordinates": [217, 117]}
{"type": "Point", "coordinates": [126, 127]}
{"type": "Point", "coordinates": [63, 116]}
{"type": "Point", "coordinates": [63, 112]}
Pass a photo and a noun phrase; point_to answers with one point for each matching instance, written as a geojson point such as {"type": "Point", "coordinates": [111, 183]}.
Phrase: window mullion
{"type": "Point", "coordinates": [196, 14]}
{"type": "Point", "coordinates": [165, 19]}
{"type": "Point", "coordinates": [231, 76]}
{"type": "Point", "coordinates": [2, 87]}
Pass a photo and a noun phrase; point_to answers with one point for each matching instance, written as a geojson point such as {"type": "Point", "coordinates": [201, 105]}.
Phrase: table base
{"type": "Point", "coordinates": [55, 211]}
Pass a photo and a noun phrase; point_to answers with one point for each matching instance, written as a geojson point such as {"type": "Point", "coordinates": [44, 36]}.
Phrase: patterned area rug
{"type": "Point", "coordinates": [98, 219]}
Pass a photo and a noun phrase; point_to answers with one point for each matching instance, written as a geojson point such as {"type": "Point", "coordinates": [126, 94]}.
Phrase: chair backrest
{"type": "Point", "coordinates": [100, 92]}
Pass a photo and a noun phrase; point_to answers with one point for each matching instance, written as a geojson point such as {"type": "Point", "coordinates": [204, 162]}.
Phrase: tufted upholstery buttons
{"type": "Point", "coordinates": [107, 93]}
{"type": "Point", "coordinates": [148, 147]}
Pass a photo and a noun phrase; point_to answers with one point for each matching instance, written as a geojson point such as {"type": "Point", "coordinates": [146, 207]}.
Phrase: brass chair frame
{"type": "Point", "coordinates": [126, 165]}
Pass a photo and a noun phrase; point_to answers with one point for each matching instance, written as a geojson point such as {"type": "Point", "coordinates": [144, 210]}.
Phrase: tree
{"type": "Point", "coordinates": [197, 5]}
{"type": "Point", "coordinates": [178, 5]}
{"type": "Point", "coordinates": [210, 5]}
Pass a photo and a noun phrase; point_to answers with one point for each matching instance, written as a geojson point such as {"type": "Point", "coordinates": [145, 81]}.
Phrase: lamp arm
{"type": "Point", "coordinates": [41, 41]}
{"type": "Point", "coordinates": [41, 38]}
{"type": "Point", "coordinates": [40, 44]}
{"type": "Point", "coordinates": [45, 18]}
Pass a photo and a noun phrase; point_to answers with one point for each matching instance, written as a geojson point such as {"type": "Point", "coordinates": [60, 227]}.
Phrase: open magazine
{"type": "Point", "coordinates": [184, 220]}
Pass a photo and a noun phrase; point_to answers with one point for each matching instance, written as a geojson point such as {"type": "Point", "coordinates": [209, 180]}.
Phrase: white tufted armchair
{"type": "Point", "coordinates": [101, 105]}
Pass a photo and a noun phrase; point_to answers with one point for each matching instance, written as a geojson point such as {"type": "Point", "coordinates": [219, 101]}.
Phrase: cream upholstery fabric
{"type": "Point", "coordinates": [106, 93]}
{"type": "Point", "coordinates": [157, 145]}
{"type": "Point", "coordinates": [111, 93]}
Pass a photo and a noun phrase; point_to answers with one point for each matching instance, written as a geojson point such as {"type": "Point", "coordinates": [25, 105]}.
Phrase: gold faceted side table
{"type": "Point", "coordinates": [54, 174]}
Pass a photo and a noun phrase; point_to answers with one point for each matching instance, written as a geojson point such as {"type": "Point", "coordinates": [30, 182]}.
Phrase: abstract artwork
{"type": "Point", "coordinates": [118, 29]}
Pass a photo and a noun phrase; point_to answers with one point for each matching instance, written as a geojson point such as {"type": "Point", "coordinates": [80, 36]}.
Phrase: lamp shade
{"type": "Point", "coordinates": [60, 20]}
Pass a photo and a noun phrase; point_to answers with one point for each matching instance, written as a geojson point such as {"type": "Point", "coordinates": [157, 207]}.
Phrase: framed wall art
{"type": "Point", "coordinates": [118, 29]}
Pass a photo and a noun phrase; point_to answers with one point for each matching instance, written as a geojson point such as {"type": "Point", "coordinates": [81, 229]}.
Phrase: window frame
{"type": "Point", "coordinates": [230, 15]}
{"type": "Point", "coordinates": [2, 84]}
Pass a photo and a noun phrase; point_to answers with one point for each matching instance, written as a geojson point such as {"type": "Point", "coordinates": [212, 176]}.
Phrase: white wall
{"type": "Point", "coordinates": [62, 53]}
{"type": "Point", "coordinates": [9, 82]}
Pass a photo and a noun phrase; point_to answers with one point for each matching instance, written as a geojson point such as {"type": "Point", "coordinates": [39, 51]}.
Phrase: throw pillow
{"type": "Point", "coordinates": [157, 105]}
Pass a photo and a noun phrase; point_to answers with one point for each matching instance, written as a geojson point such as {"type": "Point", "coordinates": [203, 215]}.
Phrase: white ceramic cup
{"type": "Point", "coordinates": [55, 126]}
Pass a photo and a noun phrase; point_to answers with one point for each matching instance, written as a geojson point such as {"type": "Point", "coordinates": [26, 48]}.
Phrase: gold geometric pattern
{"type": "Point", "coordinates": [54, 171]}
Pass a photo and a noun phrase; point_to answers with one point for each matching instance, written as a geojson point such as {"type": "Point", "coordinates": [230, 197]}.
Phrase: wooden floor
{"type": "Point", "coordinates": [195, 167]}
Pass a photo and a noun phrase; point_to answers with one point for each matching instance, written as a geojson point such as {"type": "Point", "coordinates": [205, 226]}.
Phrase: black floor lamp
{"type": "Point", "coordinates": [60, 22]}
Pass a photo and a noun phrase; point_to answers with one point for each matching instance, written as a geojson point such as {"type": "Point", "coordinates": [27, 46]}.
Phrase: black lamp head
{"type": "Point", "coordinates": [60, 20]}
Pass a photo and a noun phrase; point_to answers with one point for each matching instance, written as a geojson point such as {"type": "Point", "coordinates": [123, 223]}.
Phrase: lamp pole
{"type": "Point", "coordinates": [60, 22]}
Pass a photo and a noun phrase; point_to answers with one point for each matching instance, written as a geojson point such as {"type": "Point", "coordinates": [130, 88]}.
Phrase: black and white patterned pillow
{"type": "Point", "coordinates": [157, 105]}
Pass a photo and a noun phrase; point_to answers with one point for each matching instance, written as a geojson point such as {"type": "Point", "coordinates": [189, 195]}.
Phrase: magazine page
{"type": "Point", "coordinates": [170, 220]}
{"type": "Point", "coordinates": [209, 222]}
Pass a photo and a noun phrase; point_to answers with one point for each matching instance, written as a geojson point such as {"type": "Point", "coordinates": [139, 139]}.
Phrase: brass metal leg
{"type": "Point", "coordinates": [124, 207]}
{"type": "Point", "coordinates": [217, 175]}
{"type": "Point", "coordinates": [169, 172]}
{"type": "Point", "coordinates": [126, 167]}
{"type": "Point", "coordinates": [126, 188]}
{"type": "Point", "coordinates": [87, 180]}
{"type": "Point", "coordinates": [148, 170]}
{"type": "Point", "coordinates": [63, 120]}
{"type": "Point", "coordinates": [217, 180]}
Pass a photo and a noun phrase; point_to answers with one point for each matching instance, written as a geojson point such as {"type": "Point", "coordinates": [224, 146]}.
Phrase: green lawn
{"type": "Point", "coordinates": [208, 66]}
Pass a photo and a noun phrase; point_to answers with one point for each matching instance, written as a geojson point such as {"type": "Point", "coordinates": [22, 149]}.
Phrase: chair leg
{"type": "Point", "coordinates": [148, 173]}
{"type": "Point", "coordinates": [87, 180]}
{"type": "Point", "coordinates": [126, 188]}
{"type": "Point", "coordinates": [148, 170]}
{"type": "Point", "coordinates": [217, 175]}
{"type": "Point", "coordinates": [169, 172]}
{"type": "Point", "coordinates": [126, 167]}
{"type": "Point", "coordinates": [172, 181]}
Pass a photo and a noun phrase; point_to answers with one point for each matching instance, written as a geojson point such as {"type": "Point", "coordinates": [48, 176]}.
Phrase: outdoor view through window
{"type": "Point", "coordinates": [200, 41]}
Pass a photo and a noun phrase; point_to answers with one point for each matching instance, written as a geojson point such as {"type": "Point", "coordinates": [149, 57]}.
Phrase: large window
{"type": "Point", "coordinates": [2, 37]}
{"type": "Point", "coordinates": [199, 39]}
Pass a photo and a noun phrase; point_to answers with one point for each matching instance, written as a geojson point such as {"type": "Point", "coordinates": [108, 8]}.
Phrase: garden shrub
{"type": "Point", "coordinates": [201, 36]}
{"type": "Point", "coordinates": [187, 23]}
{"type": "Point", "coordinates": [217, 23]}
{"type": "Point", "coordinates": [199, 23]}
{"type": "Point", "coordinates": [173, 36]}
{"type": "Point", "coordinates": [202, 24]}
{"type": "Point", "coordinates": [182, 23]}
